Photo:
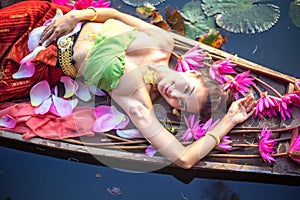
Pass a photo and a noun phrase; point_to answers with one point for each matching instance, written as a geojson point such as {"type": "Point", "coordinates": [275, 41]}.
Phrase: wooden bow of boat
{"type": "Point", "coordinates": [244, 163]}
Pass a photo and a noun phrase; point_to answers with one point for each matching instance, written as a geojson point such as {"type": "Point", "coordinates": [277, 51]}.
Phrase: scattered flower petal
{"type": "Point", "coordinates": [150, 151]}
{"type": "Point", "coordinates": [62, 106]}
{"type": "Point", "coordinates": [70, 86]}
{"type": "Point", "coordinates": [129, 133]}
{"type": "Point", "coordinates": [44, 107]}
{"type": "Point", "coordinates": [39, 93]}
{"type": "Point", "coordinates": [26, 70]}
{"type": "Point", "coordinates": [96, 91]}
{"type": "Point", "coordinates": [83, 92]}
{"type": "Point", "coordinates": [7, 121]}
{"type": "Point", "coordinates": [114, 191]}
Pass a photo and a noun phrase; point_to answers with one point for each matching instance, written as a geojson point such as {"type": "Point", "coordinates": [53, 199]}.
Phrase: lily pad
{"type": "Point", "coordinates": [294, 12]}
{"type": "Point", "coordinates": [137, 3]}
{"type": "Point", "coordinates": [195, 20]}
{"type": "Point", "coordinates": [242, 16]}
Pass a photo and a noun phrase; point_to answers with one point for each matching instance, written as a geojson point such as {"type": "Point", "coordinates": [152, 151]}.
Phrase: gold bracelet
{"type": "Point", "coordinates": [95, 13]}
{"type": "Point", "coordinates": [217, 138]}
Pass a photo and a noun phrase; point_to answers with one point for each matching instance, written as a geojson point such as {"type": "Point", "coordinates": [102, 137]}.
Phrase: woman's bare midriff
{"type": "Point", "coordinates": [143, 50]}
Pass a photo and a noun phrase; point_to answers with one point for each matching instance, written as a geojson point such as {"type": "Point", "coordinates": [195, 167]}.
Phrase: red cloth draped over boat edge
{"type": "Point", "coordinates": [16, 22]}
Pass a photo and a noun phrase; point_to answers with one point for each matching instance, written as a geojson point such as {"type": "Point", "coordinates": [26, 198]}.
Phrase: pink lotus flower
{"type": "Point", "coordinates": [285, 104]}
{"type": "Point", "coordinates": [196, 130]}
{"type": "Point", "coordinates": [266, 145]}
{"type": "Point", "coordinates": [266, 105]}
{"type": "Point", "coordinates": [294, 150]}
{"type": "Point", "coordinates": [239, 84]}
{"type": "Point", "coordinates": [7, 121]}
{"type": "Point", "coordinates": [190, 60]}
{"type": "Point", "coordinates": [220, 68]}
{"type": "Point", "coordinates": [82, 4]}
{"type": "Point", "coordinates": [225, 143]}
{"type": "Point", "coordinates": [109, 118]}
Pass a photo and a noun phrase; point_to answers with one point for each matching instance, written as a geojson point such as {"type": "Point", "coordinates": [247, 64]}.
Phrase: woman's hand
{"type": "Point", "coordinates": [241, 110]}
{"type": "Point", "coordinates": [61, 26]}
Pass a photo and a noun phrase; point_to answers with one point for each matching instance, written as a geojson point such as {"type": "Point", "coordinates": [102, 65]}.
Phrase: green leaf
{"type": "Point", "coordinates": [242, 16]}
{"type": "Point", "coordinates": [294, 12]}
{"type": "Point", "coordinates": [196, 22]}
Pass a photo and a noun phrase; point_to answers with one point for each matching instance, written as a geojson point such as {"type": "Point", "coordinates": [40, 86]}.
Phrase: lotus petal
{"type": "Point", "coordinates": [7, 121]}
{"type": "Point", "coordinates": [39, 93]}
{"type": "Point", "coordinates": [83, 92]}
{"type": "Point", "coordinates": [102, 110]}
{"type": "Point", "coordinates": [104, 123]}
{"type": "Point", "coordinates": [137, 3]}
{"type": "Point", "coordinates": [69, 84]}
{"type": "Point", "coordinates": [129, 133]}
{"type": "Point", "coordinates": [44, 107]}
{"type": "Point", "coordinates": [123, 123]}
{"type": "Point", "coordinates": [26, 70]}
{"type": "Point", "coordinates": [150, 151]}
{"type": "Point", "coordinates": [34, 37]}
{"type": "Point", "coordinates": [242, 16]}
{"type": "Point", "coordinates": [62, 106]}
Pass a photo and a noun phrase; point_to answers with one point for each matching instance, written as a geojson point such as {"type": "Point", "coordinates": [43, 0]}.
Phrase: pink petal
{"type": "Point", "coordinates": [69, 84]}
{"type": "Point", "coordinates": [62, 106]}
{"type": "Point", "coordinates": [39, 93]}
{"type": "Point", "coordinates": [83, 92]}
{"type": "Point", "coordinates": [104, 123]}
{"type": "Point", "coordinates": [44, 107]}
{"type": "Point", "coordinates": [102, 110]}
{"type": "Point", "coordinates": [129, 133]}
{"type": "Point", "coordinates": [26, 70]}
{"type": "Point", "coordinates": [123, 123]}
{"type": "Point", "coordinates": [150, 151]}
{"type": "Point", "coordinates": [7, 121]}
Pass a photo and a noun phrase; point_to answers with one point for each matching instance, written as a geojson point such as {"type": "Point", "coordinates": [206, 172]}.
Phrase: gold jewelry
{"type": "Point", "coordinates": [217, 138]}
{"type": "Point", "coordinates": [149, 77]}
{"type": "Point", "coordinates": [65, 53]}
{"type": "Point", "coordinates": [95, 13]}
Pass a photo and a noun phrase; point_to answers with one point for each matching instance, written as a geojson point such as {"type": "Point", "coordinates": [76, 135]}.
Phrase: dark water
{"type": "Point", "coordinates": [26, 176]}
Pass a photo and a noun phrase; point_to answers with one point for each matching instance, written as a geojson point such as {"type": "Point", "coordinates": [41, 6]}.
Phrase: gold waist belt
{"type": "Point", "coordinates": [65, 54]}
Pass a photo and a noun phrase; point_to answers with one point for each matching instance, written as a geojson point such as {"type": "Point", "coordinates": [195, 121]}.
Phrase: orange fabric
{"type": "Point", "coordinates": [16, 22]}
{"type": "Point", "coordinates": [48, 126]}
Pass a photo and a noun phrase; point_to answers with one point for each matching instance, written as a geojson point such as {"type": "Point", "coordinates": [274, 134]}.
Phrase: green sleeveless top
{"type": "Point", "coordinates": [105, 65]}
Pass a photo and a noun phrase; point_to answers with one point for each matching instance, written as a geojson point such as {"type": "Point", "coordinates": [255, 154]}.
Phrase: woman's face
{"type": "Point", "coordinates": [183, 90]}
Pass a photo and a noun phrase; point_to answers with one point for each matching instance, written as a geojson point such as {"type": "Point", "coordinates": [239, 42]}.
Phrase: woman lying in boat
{"type": "Point", "coordinates": [129, 58]}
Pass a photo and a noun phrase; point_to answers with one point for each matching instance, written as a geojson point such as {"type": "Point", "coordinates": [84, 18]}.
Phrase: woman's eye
{"type": "Point", "coordinates": [186, 90]}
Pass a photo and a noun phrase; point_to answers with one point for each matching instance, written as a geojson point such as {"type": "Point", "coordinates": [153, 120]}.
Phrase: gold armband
{"type": "Point", "coordinates": [217, 138]}
{"type": "Point", "coordinates": [95, 13]}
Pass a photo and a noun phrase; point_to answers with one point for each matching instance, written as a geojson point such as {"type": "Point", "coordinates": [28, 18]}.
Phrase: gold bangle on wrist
{"type": "Point", "coordinates": [217, 138]}
{"type": "Point", "coordinates": [95, 13]}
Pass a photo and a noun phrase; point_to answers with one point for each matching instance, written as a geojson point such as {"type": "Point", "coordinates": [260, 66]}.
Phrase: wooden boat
{"type": "Point", "coordinates": [243, 164]}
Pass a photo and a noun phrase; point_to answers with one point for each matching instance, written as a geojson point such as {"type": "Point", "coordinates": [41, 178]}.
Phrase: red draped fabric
{"type": "Point", "coordinates": [16, 22]}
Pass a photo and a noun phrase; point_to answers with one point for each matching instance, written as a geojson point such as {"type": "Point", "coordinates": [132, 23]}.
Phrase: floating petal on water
{"type": "Point", "coordinates": [137, 3]}
{"type": "Point", "coordinates": [242, 16]}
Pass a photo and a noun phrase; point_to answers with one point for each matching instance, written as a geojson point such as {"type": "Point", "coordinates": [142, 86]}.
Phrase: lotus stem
{"type": "Point", "coordinates": [268, 86]}
{"type": "Point", "coordinates": [232, 155]}
{"type": "Point", "coordinates": [279, 154]}
{"type": "Point", "coordinates": [244, 145]}
{"type": "Point", "coordinates": [175, 54]}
